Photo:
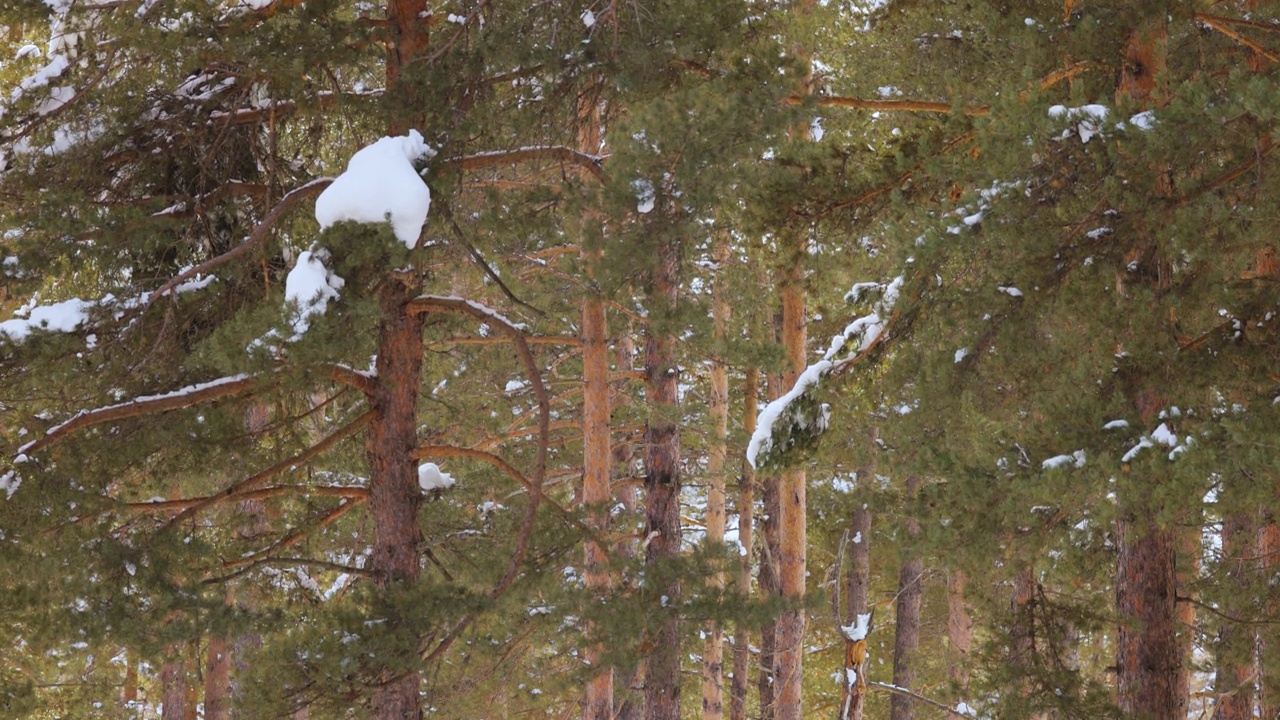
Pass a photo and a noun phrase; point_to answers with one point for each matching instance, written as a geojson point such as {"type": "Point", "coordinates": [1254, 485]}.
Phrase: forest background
{"type": "Point", "coordinates": [662, 359]}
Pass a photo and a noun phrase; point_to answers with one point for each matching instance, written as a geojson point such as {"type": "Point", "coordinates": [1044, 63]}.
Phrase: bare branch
{"type": "Point", "coordinates": [506, 158]}
{"type": "Point", "coordinates": [340, 491]}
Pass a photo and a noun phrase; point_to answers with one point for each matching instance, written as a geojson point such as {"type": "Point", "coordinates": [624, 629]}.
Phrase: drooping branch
{"type": "Point", "coordinates": [146, 405]}
{"type": "Point", "coordinates": [460, 306]}
{"type": "Point", "coordinates": [256, 480]}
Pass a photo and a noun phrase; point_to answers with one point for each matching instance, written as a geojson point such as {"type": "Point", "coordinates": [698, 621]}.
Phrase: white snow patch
{"type": "Point", "coordinates": [1116, 425]}
{"type": "Point", "coordinates": [858, 629]}
{"type": "Point", "coordinates": [645, 195]}
{"type": "Point", "coordinates": [762, 438]}
{"type": "Point", "coordinates": [430, 477]}
{"type": "Point", "coordinates": [1076, 458]}
{"type": "Point", "coordinates": [1010, 290]}
{"type": "Point", "coordinates": [64, 317]}
{"type": "Point", "coordinates": [309, 288]}
{"type": "Point", "coordinates": [380, 184]}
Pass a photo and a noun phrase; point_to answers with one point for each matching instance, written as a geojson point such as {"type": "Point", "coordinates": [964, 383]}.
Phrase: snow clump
{"type": "Point", "coordinates": [431, 478]}
{"type": "Point", "coordinates": [380, 184]}
{"type": "Point", "coordinates": [309, 288]}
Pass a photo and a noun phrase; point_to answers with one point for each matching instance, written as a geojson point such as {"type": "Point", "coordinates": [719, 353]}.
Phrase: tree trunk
{"type": "Point", "coordinates": [1025, 643]}
{"type": "Point", "coordinates": [129, 693]}
{"type": "Point", "coordinates": [717, 452]}
{"type": "Point", "coordinates": [394, 497]}
{"type": "Point", "coordinates": [1188, 573]}
{"type": "Point", "coordinates": [768, 577]}
{"type": "Point", "coordinates": [217, 680]}
{"type": "Point", "coordinates": [1233, 687]}
{"type": "Point", "coordinates": [627, 701]}
{"type": "Point", "coordinates": [662, 487]}
{"type": "Point", "coordinates": [598, 703]}
{"type": "Point", "coordinates": [959, 636]}
{"type": "Point", "coordinates": [857, 583]}
{"type": "Point", "coordinates": [792, 539]}
{"type": "Point", "coordinates": [1269, 640]}
{"type": "Point", "coordinates": [1148, 655]}
{"type": "Point", "coordinates": [746, 520]}
{"type": "Point", "coordinates": [173, 685]}
{"type": "Point", "coordinates": [906, 640]}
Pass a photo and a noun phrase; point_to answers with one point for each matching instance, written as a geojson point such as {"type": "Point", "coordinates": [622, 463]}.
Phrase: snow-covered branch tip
{"type": "Point", "coordinates": [796, 420]}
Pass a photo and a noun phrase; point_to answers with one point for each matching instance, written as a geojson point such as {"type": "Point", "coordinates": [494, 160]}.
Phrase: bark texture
{"type": "Point", "coordinates": [394, 497]}
{"type": "Point", "coordinates": [959, 635]}
{"type": "Point", "coordinates": [1148, 654]}
{"type": "Point", "coordinates": [662, 486]}
{"type": "Point", "coordinates": [598, 702]}
{"type": "Point", "coordinates": [173, 685]}
{"type": "Point", "coordinates": [906, 641]}
{"type": "Point", "coordinates": [217, 680]}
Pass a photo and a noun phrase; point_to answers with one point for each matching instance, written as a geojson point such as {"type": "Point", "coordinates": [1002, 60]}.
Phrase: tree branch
{"type": "Point", "coordinates": [505, 158]}
{"type": "Point", "coordinates": [340, 491]}
{"type": "Point", "coordinates": [1220, 24]}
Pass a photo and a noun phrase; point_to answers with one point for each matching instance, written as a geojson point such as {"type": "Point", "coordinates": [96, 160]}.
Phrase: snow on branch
{"type": "Point", "coordinates": [796, 419]}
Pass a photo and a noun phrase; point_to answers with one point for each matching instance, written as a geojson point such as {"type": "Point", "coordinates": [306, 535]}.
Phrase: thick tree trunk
{"type": "Point", "coordinates": [857, 584]}
{"type": "Point", "coordinates": [598, 702]}
{"type": "Point", "coordinates": [1148, 655]}
{"type": "Point", "coordinates": [717, 452]}
{"type": "Point", "coordinates": [662, 487]}
{"type": "Point", "coordinates": [906, 641]}
{"type": "Point", "coordinates": [173, 685]}
{"type": "Point", "coordinates": [217, 680]}
{"type": "Point", "coordinates": [394, 496]}
{"type": "Point", "coordinates": [792, 539]}
{"type": "Point", "coordinates": [1233, 688]}
{"type": "Point", "coordinates": [746, 520]}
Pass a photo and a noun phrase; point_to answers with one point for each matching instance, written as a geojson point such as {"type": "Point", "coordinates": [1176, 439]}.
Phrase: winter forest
{"type": "Point", "coordinates": [639, 359]}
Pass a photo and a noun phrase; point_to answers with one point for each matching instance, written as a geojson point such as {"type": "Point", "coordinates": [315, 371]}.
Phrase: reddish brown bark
{"type": "Point", "coordinates": [770, 491]}
{"type": "Point", "coordinates": [217, 680]}
{"type": "Point", "coordinates": [173, 685]}
{"type": "Point", "coordinates": [746, 520]}
{"type": "Point", "coordinates": [959, 635]}
{"type": "Point", "coordinates": [129, 693]}
{"type": "Point", "coordinates": [662, 488]}
{"type": "Point", "coordinates": [906, 640]}
{"type": "Point", "coordinates": [717, 453]}
{"type": "Point", "coordinates": [1233, 687]}
{"type": "Point", "coordinates": [1148, 654]}
{"type": "Point", "coordinates": [394, 496]}
{"type": "Point", "coordinates": [792, 537]}
{"type": "Point", "coordinates": [598, 700]}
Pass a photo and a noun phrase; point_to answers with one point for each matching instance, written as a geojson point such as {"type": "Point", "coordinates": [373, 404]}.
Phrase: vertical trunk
{"type": "Point", "coordinates": [746, 519]}
{"type": "Point", "coordinates": [959, 630]}
{"type": "Point", "coordinates": [792, 540]}
{"type": "Point", "coordinates": [129, 693]}
{"type": "Point", "coordinates": [173, 685]}
{"type": "Point", "coordinates": [217, 680]}
{"type": "Point", "coordinates": [662, 487]}
{"type": "Point", "coordinates": [1025, 641]}
{"type": "Point", "coordinates": [394, 496]}
{"type": "Point", "coordinates": [906, 639]}
{"type": "Point", "coordinates": [1188, 572]}
{"type": "Point", "coordinates": [1148, 656]}
{"type": "Point", "coordinates": [768, 578]}
{"type": "Point", "coordinates": [1234, 659]}
{"type": "Point", "coordinates": [717, 451]}
{"type": "Point", "coordinates": [627, 704]}
{"type": "Point", "coordinates": [598, 703]}
{"type": "Point", "coordinates": [857, 584]}
{"type": "Point", "coordinates": [1269, 640]}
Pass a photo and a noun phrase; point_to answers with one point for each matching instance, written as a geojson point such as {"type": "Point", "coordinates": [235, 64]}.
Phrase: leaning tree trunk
{"type": "Point", "coordinates": [662, 488]}
{"type": "Point", "coordinates": [906, 640]}
{"type": "Point", "coordinates": [746, 520]}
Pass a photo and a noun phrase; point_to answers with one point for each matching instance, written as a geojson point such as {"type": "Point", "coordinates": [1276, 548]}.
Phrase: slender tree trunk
{"type": "Point", "coordinates": [746, 520]}
{"type": "Point", "coordinates": [1269, 640]}
{"type": "Point", "coordinates": [1188, 572]}
{"type": "Point", "coordinates": [598, 703]}
{"type": "Point", "coordinates": [217, 680]}
{"type": "Point", "coordinates": [662, 487]}
{"type": "Point", "coordinates": [906, 639]}
{"type": "Point", "coordinates": [627, 700]}
{"type": "Point", "coordinates": [1233, 687]}
{"type": "Point", "coordinates": [717, 451]}
{"type": "Point", "coordinates": [1148, 655]}
{"type": "Point", "coordinates": [856, 592]}
{"type": "Point", "coordinates": [768, 577]}
{"type": "Point", "coordinates": [193, 688]}
{"type": "Point", "coordinates": [129, 693]}
{"type": "Point", "coordinates": [959, 636]}
{"type": "Point", "coordinates": [173, 685]}
{"type": "Point", "coordinates": [1025, 640]}
{"type": "Point", "coordinates": [394, 497]}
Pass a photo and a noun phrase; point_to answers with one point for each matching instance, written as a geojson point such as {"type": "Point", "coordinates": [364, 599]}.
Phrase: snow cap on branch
{"type": "Point", "coordinates": [379, 185]}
